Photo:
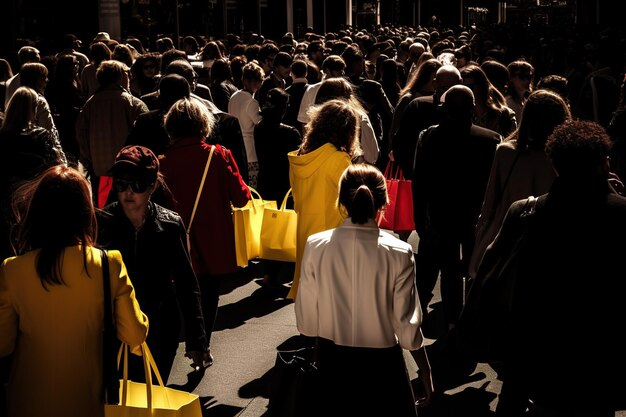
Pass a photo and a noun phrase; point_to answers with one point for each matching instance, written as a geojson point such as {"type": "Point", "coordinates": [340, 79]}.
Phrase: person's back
{"type": "Point", "coordinates": [572, 277]}
{"type": "Point", "coordinates": [358, 299]}
{"type": "Point", "coordinates": [454, 153]}
{"type": "Point", "coordinates": [520, 167]}
{"type": "Point", "coordinates": [420, 113]}
{"type": "Point", "coordinates": [52, 297]}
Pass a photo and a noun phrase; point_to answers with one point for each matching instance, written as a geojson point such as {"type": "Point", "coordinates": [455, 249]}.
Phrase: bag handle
{"type": "Point", "coordinates": [253, 191]}
{"type": "Point", "coordinates": [109, 337]}
{"type": "Point", "coordinates": [284, 203]}
{"type": "Point", "coordinates": [195, 205]}
{"type": "Point", "coordinates": [149, 366]}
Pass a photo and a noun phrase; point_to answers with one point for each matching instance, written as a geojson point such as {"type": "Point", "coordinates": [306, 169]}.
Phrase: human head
{"type": "Point", "coordinates": [146, 66]}
{"type": "Point", "coordinates": [484, 92]}
{"type": "Point", "coordinates": [521, 75]}
{"type": "Point", "coordinates": [458, 103]}
{"type": "Point", "coordinates": [20, 111]}
{"type": "Point", "coordinates": [274, 108]}
{"type": "Point", "coordinates": [99, 52]}
{"type": "Point", "coordinates": [336, 122]}
{"type": "Point", "coordinates": [220, 71]}
{"type": "Point", "coordinates": [6, 71]}
{"type": "Point", "coordinates": [112, 72]}
{"type": "Point", "coordinates": [333, 66]}
{"type": "Point", "coordinates": [54, 211]}
{"type": "Point", "coordinates": [299, 69]}
{"type": "Point", "coordinates": [28, 54]}
{"type": "Point", "coordinates": [363, 192]}
{"type": "Point", "coordinates": [497, 73]}
{"type": "Point", "coordinates": [422, 80]}
{"type": "Point", "coordinates": [137, 163]}
{"type": "Point", "coordinates": [34, 75]}
{"type": "Point", "coordinates": [172, 87]}
{"type": "Point", "coordinates": [266, 56]}
{"type": "Point", "coordinates": [334, 88]}
{"type": "Point", "coordinates": [252, 76]}
{"type": "Point", "coordinates": [579, 150]}
{"type": "Point", "coordinates": [282, 64]}
{"type": "Point", "coordinates": [445, 77]}
{"type": "Point", "coordinates": [164, 44]}
{"type": "Point", "coordinates": [555, 83]}
{"type": "Point", "coordinates": [183, 68]}
{"type": "Point", "coordinates": [188, 117]}
{"type": "Point", "coordinates": [123, 53]}
{"type": "Point", "coordinates": [543, 111]}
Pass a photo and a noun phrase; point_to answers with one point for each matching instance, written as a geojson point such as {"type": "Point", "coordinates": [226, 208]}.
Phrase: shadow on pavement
{"type": "Point", "coordinates": [260, 303]}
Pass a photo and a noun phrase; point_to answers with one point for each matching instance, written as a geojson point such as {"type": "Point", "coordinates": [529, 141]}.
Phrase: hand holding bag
{"type": "Point", "coordinates": [248, 221]}
{"type": "Point", "coordinates": [398, 216]}
{"type": "Point", "coordinates": [147, 400]}
{"type": "Point", "coordinates": [278, 233]}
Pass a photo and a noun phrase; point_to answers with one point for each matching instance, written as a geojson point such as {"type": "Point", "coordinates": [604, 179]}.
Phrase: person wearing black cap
{"type": "Point", "coordinates": [151, 239]}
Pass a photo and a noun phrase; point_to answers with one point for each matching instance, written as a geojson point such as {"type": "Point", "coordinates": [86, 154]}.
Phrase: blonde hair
{"type": "Point", "coordinates": [188, 117]}
{"type": "Point", "coordinates": [20, 111]}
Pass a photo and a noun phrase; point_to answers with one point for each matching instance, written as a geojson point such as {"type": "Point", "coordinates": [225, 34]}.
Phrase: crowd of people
{"type": "Point", "coordinates": [143, 149]}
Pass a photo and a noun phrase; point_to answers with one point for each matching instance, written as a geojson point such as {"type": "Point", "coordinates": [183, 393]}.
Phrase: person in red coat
{"type": "Point", "coordinates": [211, 231]}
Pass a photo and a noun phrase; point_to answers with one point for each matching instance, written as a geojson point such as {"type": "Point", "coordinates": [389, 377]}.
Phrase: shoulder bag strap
{"type": "Point", "coordinates": [195, 205]}
{"type": "Point", "coordinates": [109, 337]}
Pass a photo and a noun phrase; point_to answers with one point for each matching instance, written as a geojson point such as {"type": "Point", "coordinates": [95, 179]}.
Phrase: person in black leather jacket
{"type": "Point", "coordinates": [152, 240]}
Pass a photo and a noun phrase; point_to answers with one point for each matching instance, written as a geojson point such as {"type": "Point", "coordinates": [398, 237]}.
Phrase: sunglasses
{"type": "Point", "coordinates": [120, 185]}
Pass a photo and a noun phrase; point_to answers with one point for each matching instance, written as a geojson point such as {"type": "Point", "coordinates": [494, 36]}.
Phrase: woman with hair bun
{"type": "Point", "coordinates": [357, 296]}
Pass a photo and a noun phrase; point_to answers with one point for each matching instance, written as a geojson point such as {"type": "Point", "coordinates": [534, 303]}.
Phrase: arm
{"type": "Point", "coordinates": [421, 359]}
{"type": "Point", "coordinates": [9, 320]}
{"type": "Point", "coordinates": [188, 293]}
{"type": "Point", "coordinates": [368, 140]}
{"type": "Point", "coordinates": [239, 191]}
{"type": "Point", "coordinates": [131, 322]}
{"type": "Point", "coordinates": [306, 306]}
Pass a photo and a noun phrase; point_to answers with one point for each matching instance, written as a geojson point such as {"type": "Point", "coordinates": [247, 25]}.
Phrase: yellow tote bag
{"type": "Point", "coordinates": [278, 233]}
{"type": "Point", "coordinates": [147, 400]}
{"type": "Point", "coordinates": [248, 220]}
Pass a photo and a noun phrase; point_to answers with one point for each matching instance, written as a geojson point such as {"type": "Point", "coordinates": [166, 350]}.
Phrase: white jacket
{"type": "Point", "coordinates": [357, 288]}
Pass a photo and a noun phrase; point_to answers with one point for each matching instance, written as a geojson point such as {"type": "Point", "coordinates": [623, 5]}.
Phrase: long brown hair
{"type": "Point", "coordinates": [54, 211]}
{"type": "Point", "coordinates": [336, 122]}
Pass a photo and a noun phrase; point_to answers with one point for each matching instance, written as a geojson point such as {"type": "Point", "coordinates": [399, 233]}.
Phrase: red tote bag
{"type": "Point", "coordinates": [399, 214]}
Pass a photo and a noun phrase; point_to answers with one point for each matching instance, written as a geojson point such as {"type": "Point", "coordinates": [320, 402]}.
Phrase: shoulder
{"type": "Point", "coordinates": [320, 239]}
{"type": "Point", "coordinates": [165, 215]}
{"type": "Point", "coordinates": [393, 244]}
{"type": "Point", "coordinates": [483, 132]}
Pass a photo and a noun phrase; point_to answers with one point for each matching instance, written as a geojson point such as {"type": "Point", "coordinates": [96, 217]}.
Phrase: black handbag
{"type": "Point", "coordinates": [295, 383]}
{"type": "Point", "coordinates": [110, 377]}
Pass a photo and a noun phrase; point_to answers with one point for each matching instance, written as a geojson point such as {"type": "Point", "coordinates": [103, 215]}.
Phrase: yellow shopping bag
{"type": "Point", "coordinates": [147, 400]}
{"type": "Point", "coordinates": [278, 233]}
{"type": "Point", "coordinates": [248, 220]}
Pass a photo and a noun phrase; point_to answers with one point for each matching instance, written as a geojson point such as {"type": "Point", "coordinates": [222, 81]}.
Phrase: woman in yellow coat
{"type": "Point", "coordinates": [330, 144]}
{"type": "Point", "coordinates": [52, 305]}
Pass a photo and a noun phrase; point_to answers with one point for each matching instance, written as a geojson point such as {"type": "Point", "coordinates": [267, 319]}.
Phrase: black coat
{"type": "Point", "coordinates": [159, 268]}
{"type": "Point", "coordinates": [569, 312]}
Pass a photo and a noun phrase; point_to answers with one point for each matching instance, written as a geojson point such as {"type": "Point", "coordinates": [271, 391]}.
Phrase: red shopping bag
{"type": "Point", "coordinates": [398, 216]}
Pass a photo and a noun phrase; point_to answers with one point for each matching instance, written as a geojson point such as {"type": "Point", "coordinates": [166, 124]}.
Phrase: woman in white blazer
{"type": "Point", "coordinates": [357, 295]}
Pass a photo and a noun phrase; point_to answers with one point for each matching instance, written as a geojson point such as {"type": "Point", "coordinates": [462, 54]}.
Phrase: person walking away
{"type": "Point", "coordinates": [211, 233]}
{"type": "Point", "coordinates": [52, 304]}
{"type": "Point", "coordinates": [357, 296]}
{"type": "Point", "coordinates": [330, 143]}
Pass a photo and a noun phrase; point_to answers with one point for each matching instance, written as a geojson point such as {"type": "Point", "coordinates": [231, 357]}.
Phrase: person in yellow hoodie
{"type": "Point", "coordinates": [331, 142]}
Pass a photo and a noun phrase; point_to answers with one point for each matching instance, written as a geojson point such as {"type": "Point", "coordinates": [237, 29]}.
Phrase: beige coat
{"type": "Point", "coordinates": [532, 174]}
